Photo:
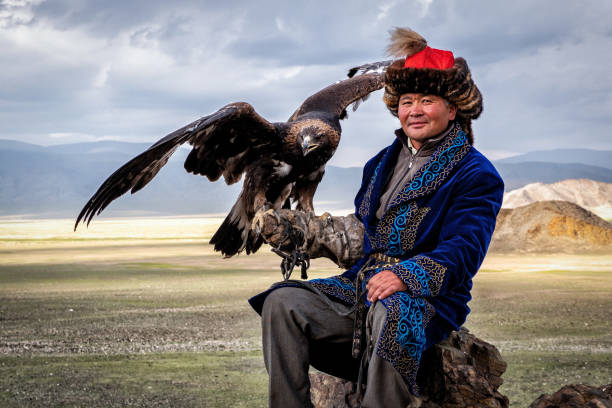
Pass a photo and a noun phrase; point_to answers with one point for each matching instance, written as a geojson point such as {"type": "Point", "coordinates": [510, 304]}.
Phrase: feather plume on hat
{"type": "Point", "coordinates": [405, 42]}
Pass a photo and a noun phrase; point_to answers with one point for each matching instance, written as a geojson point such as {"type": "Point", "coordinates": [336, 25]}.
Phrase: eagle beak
{"type": "Point", "coordinates": [307, 147]}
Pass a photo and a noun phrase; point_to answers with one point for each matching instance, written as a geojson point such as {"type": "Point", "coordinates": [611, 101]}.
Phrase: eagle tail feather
{"type": "Point", "coordinates": [228, 238]}
{"type": "Point", "coordinates": [231, 237]}
{"type": "Point", "coordinates": [254, 242]}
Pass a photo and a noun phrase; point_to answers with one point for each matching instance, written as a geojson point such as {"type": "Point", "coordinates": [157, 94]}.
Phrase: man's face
{"type": "Point", "coordinates": [424, 116]}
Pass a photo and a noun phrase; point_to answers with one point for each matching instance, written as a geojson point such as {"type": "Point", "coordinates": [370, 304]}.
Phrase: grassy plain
{"type": "Point", "coordinates": [141, 312]}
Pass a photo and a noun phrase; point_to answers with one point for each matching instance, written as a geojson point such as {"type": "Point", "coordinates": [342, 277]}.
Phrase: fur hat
{"type": "Point", "coordinates": [426, 70]}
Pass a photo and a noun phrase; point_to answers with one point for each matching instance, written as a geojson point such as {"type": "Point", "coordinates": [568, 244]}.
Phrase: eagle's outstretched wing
{"type": "Point", "coordinates": [379, 67]}
{"type": "Point", "coordinates": [224, 143]}
{"type": "Point", "coordinates": [335, 98]}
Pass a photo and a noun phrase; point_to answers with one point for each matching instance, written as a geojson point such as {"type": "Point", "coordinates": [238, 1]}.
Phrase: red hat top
{"type": "Point", "coordinates": [408, 44]}
{"type": "Point", "coordinates": [430, 58]}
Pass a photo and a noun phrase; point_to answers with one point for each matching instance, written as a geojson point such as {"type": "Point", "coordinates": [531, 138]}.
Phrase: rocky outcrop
{"type": "Point", "coordinates": [327, 391]}
{"type": "Point", "coordinates": [594, 196]}
{"type": "Point", "coordinates": [462, 371]}
{"type": "Point", "coordinates": [551, 226]}
{"type": "Point", "coordinates": [576, 395]}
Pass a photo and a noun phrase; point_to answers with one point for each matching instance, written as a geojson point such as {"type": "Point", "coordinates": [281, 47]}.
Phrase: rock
{"type": "Point", "coordinates": [332, 392]}
{"type": "Point", "coordinates": [462, 371]}
{"type": "Point", "coordinates": [576, 395]}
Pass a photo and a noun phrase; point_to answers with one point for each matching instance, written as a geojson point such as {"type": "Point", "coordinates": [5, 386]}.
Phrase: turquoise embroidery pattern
{"type": "Point", "coordinates": [336, 286]}
{"type": "Point", "coordinates": [421, 274]}
{"type": "Point", "coordinates": [391, 233]}
{"type": "Point", "coordinates": [433, 174]}
{"type": "Point", "coordinates": [438, 165]}
{"type": "Point", "coordinates": [399, 224]}
{"type": "Point", "coordinates": [404, 337]}
{"type": "Point", "coordinates": [365, 203]}
{"type": "Point", "coordinates": [415, 278]}
{"type": "Point", "coordinates": [410, 329]}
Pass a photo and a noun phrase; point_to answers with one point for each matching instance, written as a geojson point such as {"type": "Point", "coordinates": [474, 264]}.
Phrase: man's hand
{"type": "Point", "coordinates": [384, 284]}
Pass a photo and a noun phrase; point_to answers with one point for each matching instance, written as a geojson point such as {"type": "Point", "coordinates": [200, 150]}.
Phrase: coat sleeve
{"type": "Point", "coordinates": [464, 237]}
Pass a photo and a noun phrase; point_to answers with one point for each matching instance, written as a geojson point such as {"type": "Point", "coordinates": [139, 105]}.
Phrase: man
{"type": "Point", "coordinates": [427, 205]}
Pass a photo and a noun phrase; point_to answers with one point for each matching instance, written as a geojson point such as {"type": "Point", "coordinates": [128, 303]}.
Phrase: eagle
{"type": "Point", "coordinates": [283, 162]}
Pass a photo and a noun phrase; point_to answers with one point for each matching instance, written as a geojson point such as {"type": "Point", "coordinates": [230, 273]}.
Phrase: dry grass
{"type": "Point", "coordinates": [142, 312]}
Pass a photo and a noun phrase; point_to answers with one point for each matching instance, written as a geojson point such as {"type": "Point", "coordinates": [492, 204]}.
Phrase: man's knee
{"type": "Point", "coordinates": [281, 301]}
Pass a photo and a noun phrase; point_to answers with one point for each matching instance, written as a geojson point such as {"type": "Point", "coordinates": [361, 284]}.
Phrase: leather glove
{"type": "Point", "coordinates": [283, 229]}
{"type": "Point", "coordinates": [337, 238]}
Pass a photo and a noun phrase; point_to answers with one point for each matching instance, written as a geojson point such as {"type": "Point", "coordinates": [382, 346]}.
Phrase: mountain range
{"type": "Point", "coordinates": [56, 181]}
{"type": "Point", "coordinates": [600, 158]}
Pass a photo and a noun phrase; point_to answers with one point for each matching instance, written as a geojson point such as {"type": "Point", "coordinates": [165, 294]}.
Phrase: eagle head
{"type": "Point", "coordinates": [309, 138]}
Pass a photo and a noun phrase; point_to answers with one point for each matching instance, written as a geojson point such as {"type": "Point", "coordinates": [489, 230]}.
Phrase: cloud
{"type": "Point", "coordinates": [137, 70]}
{"type": "Point", "coordinates": [17, 12]}
{"type": "Point", "coordinates": [384, 10]}
{"type": "Point", "coordinates": [69, 137]}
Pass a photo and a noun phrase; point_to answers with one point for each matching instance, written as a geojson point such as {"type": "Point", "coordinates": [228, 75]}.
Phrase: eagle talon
{"type": "Point", "coordinates": [258, 223]}
{"type": "Point", "coordinates": [273, 212]}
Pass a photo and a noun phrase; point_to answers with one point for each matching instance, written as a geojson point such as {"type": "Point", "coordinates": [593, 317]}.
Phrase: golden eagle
{"type": "Point", "coordinates": [282, 161]}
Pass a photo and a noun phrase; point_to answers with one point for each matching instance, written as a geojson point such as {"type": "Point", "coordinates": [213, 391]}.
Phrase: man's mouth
{"type": "Point", "coordinates": [417, 124]}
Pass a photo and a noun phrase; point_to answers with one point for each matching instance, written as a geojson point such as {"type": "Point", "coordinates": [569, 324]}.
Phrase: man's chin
{"type": "Point", "coordinates": [418, 138]}
{"type": "Point", "coordinates": [418, 133]}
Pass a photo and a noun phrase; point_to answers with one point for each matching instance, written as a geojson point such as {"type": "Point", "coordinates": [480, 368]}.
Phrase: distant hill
{"type": "Point", "coordinates": [517, 175]}
{"type": "Point", "coordinates": [600, 158]}
{"type": "Point", "coordinates": [591, 195]}
{"type": "Point", "coordinates": [104, 147]}
{"type": "Point", "coordinates": [551, 226]}
{"type": "Point", "coordinates": [16, 146]}
{"type": "Point", "coordinates": [56, 181]}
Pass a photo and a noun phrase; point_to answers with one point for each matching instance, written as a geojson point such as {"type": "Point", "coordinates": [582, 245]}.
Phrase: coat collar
{"type": "Point", "coordinates": [429, 177]}
{"type": "Point", "coordinates": [429, 145]}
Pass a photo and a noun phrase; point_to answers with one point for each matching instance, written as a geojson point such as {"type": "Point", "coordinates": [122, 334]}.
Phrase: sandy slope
{"type": "Point", "coordinates": [551, 226]}
{"type": "Point", "coordinates": [593, 195]}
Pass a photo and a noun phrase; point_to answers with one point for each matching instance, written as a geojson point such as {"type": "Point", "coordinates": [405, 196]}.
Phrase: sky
{"type": "Point", "coordinates": [84, 70]}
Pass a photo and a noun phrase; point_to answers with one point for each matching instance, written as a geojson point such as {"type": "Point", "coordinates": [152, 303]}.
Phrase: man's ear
{"type": "Point", "coordinates": [452, 112]}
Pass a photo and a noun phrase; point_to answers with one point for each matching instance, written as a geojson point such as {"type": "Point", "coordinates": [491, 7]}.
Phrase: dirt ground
{"type": "Point", "coordinates": [141, 312]}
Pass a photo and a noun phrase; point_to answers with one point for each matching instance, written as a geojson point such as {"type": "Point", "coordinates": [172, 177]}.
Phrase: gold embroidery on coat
{"type": "Point", "coordinates": [385, 228]}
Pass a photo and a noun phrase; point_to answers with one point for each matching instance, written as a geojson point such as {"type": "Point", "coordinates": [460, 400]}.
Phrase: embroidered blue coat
{"type": "Point", "coordinates": [439, 226]}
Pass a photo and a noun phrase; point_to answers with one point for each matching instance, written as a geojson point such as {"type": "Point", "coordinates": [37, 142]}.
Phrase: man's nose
{"type": "Point", "coordinates": [416, 111]}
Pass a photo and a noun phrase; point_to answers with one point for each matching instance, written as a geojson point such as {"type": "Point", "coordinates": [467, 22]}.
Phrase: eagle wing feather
{"type": "Point", "coordinates": [335, 98]}
{"type": "Point", "coordinates": [213, 154]}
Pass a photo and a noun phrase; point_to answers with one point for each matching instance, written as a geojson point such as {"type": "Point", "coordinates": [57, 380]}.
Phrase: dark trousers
{"type": "Point", "coordinates": [301, 329]}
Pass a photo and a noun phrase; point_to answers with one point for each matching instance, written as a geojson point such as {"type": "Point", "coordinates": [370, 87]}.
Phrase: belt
{"type": "Point", "coordinates": [375, 261]}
